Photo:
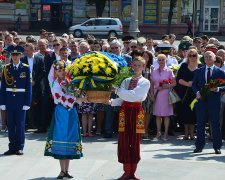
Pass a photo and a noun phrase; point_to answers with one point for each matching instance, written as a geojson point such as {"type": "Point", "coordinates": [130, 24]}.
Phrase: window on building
{"type": "Point", "coordinates": [212, 2]}
{"type": "Point", "coordinates": [186, 10]}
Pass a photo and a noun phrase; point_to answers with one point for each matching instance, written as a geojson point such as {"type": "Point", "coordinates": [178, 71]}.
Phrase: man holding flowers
{"type": "Point", "coordinates": [208, 107]}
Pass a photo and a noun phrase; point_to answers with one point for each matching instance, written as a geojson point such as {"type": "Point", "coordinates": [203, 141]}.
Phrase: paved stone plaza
{"type": "Point", "coordinates": [171, 160]}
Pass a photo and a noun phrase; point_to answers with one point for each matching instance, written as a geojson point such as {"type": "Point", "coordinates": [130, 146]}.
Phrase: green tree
{"type": "Point", "coordinates": [99, 4]}
{"type": "Point", "coordinates": [173, 4]}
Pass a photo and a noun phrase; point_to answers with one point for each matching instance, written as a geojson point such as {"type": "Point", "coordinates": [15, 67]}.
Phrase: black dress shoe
{"type": "Point", "coordinates": [9, 152]}
{"type": "Point", "coordinates": [217, 151]}
{"type": "Point", "coordinates": [19, 153]}
{"type": "Point", "coordinates": [41, 131]}
{"type": "Point", "coordinates": [107, 135]}
{"type": "Point", "coordinates": [197, 150]}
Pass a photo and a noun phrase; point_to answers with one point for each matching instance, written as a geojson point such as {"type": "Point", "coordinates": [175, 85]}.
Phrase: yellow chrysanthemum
{"type": "Point", "coordinates": [75, 71]}
{"type": "Point", "coordinates": [101, 60]}
{"type": "Point", "coordinates": [83, 58]}
{"type": "Point", "coordinates": [108, 71]}
{"type": "Point", "coordinates": [85, 64]}
{"type": "Point", "coordinates": [102, 65]}
{"type": "Point", "coordinates": [90, 60]}
{"type": "Point", "coordinates": [86, 69]}
{"type": "Point", "coordinates": [95, 64]}
{"type": "Point", "coordinates": [77, 61]}
{"type": "Point", "coordinates": [95, 69]}
{"type": "Point", "coordinates": [80, 66]}
{"type": "Point", "coordinates": [68, 68]}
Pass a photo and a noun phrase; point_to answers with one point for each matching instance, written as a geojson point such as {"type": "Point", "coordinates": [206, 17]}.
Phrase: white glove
{"type": "Point", "coordinates": [2, 107]}
{"type": "Point", "coordinates": [25, 108]}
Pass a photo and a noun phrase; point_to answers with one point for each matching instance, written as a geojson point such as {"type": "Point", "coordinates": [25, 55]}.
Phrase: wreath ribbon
{"type": "Point", "coordinates": [83, 80]}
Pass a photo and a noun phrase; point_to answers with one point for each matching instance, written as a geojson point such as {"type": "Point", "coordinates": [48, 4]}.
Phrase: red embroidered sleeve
{"type": "Point", "coordinates": [63, 98]}
{"type": "Point", "coordinates": [70, 100]}
{"type": "Point", "coordinates": [57, 95]}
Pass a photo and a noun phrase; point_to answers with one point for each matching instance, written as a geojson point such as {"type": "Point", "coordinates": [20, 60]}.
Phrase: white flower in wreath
{"type": "Point", "coordinates": [78, 152]}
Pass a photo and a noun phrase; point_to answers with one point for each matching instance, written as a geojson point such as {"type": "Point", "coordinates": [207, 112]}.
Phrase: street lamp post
{"type": "Point", "coordinates": [133, 28]}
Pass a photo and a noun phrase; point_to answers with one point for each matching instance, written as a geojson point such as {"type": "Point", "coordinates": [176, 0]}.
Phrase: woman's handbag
{"type": "Point", "coordinates": [173, 97]}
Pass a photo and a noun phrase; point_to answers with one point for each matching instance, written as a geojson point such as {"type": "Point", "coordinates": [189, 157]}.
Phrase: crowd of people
{"type": "Point", "coordinates": [198, 60]}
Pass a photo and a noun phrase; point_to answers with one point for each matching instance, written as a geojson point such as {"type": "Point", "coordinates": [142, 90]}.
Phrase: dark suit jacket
{"type": "Point", "coordinates": [48, 61]}
{"type": "Point", "coordinates": [199, 81]}
{"type": "Point", "coordinates": [38, 74]}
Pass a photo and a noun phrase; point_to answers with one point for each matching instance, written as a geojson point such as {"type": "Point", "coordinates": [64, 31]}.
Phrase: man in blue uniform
{"type": "Point", "coordinates": [15, 98]}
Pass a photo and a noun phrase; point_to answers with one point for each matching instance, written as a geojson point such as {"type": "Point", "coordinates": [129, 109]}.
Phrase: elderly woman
{"type": "Point", "coordinates": [162, 79]}
{"type": "Point", "coordinates": [184, 81]}
{"type": "Point", "coordinates": [64, 139]}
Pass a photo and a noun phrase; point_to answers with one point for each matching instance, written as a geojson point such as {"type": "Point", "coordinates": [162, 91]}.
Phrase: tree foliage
{"type": "Point", "coordinates": [99, 4]}
{"type": "Point", "coordinates": [173, 4]}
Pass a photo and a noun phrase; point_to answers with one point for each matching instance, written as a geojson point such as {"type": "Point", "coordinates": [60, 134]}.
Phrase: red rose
{"type": "Point", "coordinates": [2, 58]}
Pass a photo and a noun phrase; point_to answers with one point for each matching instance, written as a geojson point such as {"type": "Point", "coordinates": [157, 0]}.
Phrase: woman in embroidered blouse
{"type": "Point", "coordinates": [162, 79]}
{"type": "Point", "coordinates": [64, 139]}
{"type": "Point", "coordinates": [132, 92]}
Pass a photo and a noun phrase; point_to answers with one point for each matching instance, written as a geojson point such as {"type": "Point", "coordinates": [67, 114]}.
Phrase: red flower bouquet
{"type": "Point", "coordinates": [2, 59]}
{"type": "Point", "coordinates": [165, 81]}
{"type": "Point", "coordinates": [205, 91]}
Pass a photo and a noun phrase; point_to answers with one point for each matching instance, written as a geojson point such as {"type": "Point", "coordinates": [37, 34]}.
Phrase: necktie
{"type": "Point", "coordinates": [208, 75]}
{"type": "Point", "coordinates": [15, 68]}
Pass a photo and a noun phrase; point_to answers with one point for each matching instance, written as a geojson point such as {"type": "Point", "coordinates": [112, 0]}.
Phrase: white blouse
{"type": "Point", "coordinates": [62, 97]}
{"type": "Point", "coordinates": [138, 94]}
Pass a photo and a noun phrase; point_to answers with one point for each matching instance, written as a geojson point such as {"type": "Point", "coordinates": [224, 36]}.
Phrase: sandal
{"type": "Point", "coordinates": [67, 175]}
{"type": "Point", "coordinates": [185, 138]}
{"type": "Point", "coordinates": [85, 135]}
{"type": "Point", "coordinates": [4, 128]}
{"type": "Point", "coordinates": [60, 176]}
{"type": "Point", "coordinates": [192, 138]}
{"type": "Point", "coordinates": [145, 136]}
{"type": "Point", "coordinates": [90, 135]}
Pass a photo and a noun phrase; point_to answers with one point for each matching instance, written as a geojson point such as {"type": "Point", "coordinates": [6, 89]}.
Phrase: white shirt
{"type": "Point", "coordinates": [223, 67]}
{"type": "Point", "coordinates": [152, 50]}
{"type": "Point", "coordinates": [57, 57]}
{"type": "Point", "coordinates": [16, 65]}
{"type": "Point", "coordinates": [30, 63]}
{"type": "Point", "coordinates": [62, 97]}
{"type": "Point", "coordinates": [170, 61]}
{"type": "Point", "coordinates": [206, 72]}
{"type": "Point", "coordinates": [183, 61]}
{"type": "Point", "coordinates": [138, 94]}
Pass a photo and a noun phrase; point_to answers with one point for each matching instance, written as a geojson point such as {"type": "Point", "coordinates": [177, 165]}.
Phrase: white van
{"type": "Point", "coordinates": [98, 26]}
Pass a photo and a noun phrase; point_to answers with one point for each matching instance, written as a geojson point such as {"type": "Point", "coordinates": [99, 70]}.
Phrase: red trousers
{"type": "Point", "coordinates": [129, 140]}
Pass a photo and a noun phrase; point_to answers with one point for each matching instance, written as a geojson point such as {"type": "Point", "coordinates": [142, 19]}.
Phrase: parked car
{"type": "Point", "coordinates": [98, 26]}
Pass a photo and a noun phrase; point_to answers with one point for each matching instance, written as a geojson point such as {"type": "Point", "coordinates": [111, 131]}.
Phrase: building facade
{"type": "Point", "coordinates": [206, 15]}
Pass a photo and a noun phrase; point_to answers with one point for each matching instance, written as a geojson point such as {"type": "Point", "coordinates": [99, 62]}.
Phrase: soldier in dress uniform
{"type": "Point", "coordinates": [15, 98]}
